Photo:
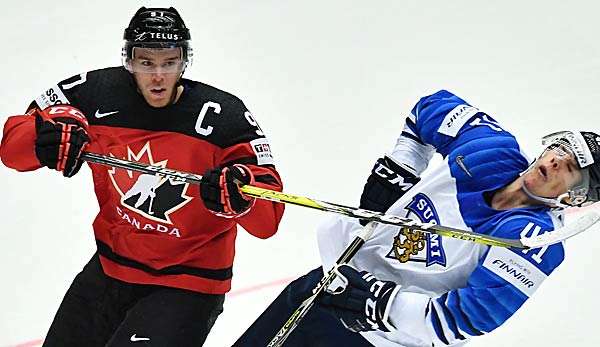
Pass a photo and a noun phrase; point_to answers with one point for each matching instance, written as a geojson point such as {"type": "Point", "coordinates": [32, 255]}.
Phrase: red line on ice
{"type": "Point", "coordinates": [30, 343]}
{"type": "Point", "coordinates": [260, 286]}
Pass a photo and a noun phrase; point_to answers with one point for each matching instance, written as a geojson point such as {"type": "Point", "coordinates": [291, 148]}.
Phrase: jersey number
{"type": "Point", "coordinates": [82, 79]}
{"type": "Point", "coordinates": [536, 231]}
{"type": "Point", "coordinates": [487, 121]}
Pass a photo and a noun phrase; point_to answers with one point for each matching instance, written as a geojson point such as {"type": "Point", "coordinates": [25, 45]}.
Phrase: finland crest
{"type": "Point", "coordinates": [417, 246]}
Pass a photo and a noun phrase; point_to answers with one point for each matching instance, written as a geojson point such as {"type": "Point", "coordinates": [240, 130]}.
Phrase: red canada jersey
{"type": "Point", "coordinates": [154, 230]}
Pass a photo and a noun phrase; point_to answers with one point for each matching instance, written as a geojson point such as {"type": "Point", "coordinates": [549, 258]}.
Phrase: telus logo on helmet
{"type": "Point", "coordinates": [157, 36]}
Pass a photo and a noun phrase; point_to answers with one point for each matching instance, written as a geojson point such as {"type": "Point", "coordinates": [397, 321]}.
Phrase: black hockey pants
{"type": "Point", "coordinates": [317, 329]}
{"type": "Point", "coordinates": [101, 311]}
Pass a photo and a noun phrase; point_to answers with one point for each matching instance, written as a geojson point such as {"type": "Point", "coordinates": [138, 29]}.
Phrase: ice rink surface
{"type": "Point", "coordinates": [330, 82]}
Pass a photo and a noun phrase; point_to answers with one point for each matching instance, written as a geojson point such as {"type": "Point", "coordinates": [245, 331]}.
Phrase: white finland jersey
{"type": "Point", "coordinates": [452, 289]}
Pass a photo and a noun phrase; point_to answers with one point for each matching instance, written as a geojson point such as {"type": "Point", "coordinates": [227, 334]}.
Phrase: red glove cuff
{"type": "Point", "coordinates": [64, 111]}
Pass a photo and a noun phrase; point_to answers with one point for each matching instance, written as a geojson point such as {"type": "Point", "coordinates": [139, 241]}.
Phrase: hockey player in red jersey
{"type": "Point", "coordinates": [164, 248]}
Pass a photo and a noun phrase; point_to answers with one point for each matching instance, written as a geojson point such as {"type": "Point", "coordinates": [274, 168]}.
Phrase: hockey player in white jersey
{"type": "Point", "coordinates": [407, 288]}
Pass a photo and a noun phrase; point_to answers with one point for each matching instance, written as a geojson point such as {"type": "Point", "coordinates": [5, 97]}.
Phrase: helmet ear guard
{"type": "Point", "coordinates": [592, 141]}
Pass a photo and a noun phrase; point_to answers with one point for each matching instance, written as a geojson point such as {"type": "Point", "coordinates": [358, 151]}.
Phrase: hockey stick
{"type": "Point", "coordinates": [548, 238]}
{"type": "Point", "coordinates": [306, 305]}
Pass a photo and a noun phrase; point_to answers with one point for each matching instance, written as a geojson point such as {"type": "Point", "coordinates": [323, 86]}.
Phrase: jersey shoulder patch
{"type": "Point", "coordinates": [456, 119]}
{"type": "Point", "coordinates": [514, 269]}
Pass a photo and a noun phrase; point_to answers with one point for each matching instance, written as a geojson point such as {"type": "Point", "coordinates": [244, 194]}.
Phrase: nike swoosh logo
{"type": "Point", "coordinates": [134, 338]}
{"type": "Point", "coordinates": [100, 115]}
{"type": "Point", "coordinates": [460, 161]}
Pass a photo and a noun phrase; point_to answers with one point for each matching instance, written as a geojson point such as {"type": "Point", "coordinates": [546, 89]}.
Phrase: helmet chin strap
{"type": "Point", "coordinates": [175, 96]}
{"type": "Point", "coordinates": [553, 202]}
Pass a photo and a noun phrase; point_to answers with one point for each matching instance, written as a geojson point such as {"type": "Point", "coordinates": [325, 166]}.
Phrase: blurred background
{"type": "Point", "coordinates": [330, 83]}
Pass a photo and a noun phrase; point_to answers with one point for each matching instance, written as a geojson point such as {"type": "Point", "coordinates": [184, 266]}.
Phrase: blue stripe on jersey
{"type": "Point", "coordinates": [476, 310]}
{"type": "Point", "coordinates": [437, 324]}
{"type": "Point", "coordinates": [488, 308]}
{"type": "Point", "coordinates": [449, 317]}
{"type": "Point", "coordinates": [462, 319]}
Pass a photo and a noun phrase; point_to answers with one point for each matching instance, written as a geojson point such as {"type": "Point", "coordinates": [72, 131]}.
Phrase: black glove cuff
{"type": "Point", "coordinates": [210, 191]}
{"type": "Point", "coordinates": [386, 184]}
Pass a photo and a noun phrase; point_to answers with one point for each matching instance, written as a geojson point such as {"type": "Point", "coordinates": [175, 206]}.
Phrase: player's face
{"type": "Point", "coordinates": [156, 72]}
{"type": "Point", "coordinates": [553, 174]}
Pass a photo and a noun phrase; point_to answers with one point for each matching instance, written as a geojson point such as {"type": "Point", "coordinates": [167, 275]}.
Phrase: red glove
{"type": "Point", "coordinates": [219, 189]}
{"type": "Point", "coordinates": [61, 136]}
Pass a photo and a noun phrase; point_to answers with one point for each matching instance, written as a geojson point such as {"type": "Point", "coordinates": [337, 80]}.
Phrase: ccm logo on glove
{"type": "Point", "coordinates": [362, 302]}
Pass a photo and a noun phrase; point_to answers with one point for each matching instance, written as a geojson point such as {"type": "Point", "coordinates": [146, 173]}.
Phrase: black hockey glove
{"type": "Point", "coordinates": [219, 189]}
{"type": "Point", "coordinates": [386, 184]}
{"type": "Point", "coordinates": [61, 136]}
{"type": "Point", "coordinates": [364, 303]}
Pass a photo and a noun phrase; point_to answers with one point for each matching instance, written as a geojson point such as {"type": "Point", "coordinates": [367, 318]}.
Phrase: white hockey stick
{"type": "Point", "coordinates": [558, 235]}
{"type": "Point", "coordinates": [575, 227]}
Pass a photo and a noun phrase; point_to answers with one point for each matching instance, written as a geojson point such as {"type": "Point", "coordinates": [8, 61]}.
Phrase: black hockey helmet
{"type": "Point", "coordinates": [592, 140]}
{"type": "Point", "coordinates": [156, 28]}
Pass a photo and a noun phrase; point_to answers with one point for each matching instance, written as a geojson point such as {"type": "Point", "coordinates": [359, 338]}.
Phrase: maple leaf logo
{"type": "Point", "coordinates": [151, 196]}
